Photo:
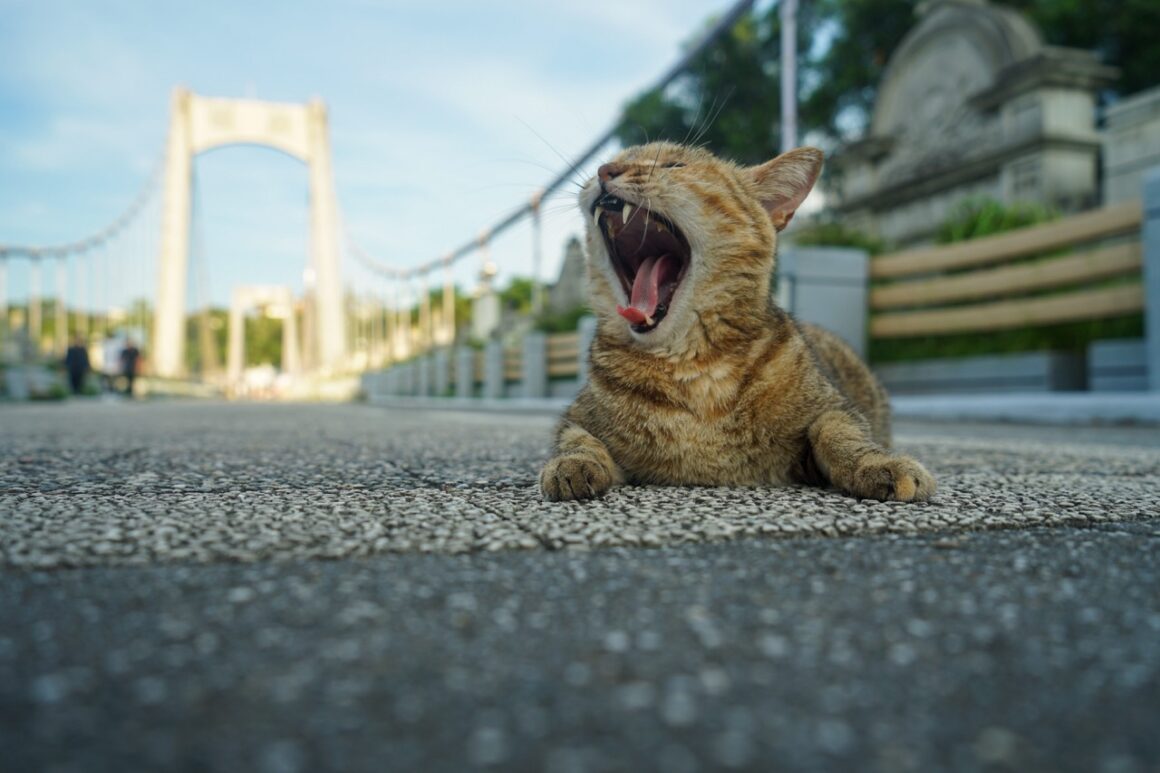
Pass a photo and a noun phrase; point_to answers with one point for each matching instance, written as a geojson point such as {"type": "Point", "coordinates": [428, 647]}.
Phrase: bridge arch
{"type": "Point", "coordinates": [198, 124]}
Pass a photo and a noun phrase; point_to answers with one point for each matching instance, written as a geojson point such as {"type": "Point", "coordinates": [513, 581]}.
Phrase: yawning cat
{"type": "Point", "coordinates": [696, 376]}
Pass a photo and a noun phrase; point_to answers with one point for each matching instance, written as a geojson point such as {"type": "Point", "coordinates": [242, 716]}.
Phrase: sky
{"type": "Point", "coordinates": [444, 117]}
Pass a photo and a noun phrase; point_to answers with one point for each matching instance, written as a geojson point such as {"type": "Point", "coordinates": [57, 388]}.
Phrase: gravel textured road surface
{"type": "Point", "coordinates": [137, 484]}
{"type": "Point", "coordinates": [242, 587]}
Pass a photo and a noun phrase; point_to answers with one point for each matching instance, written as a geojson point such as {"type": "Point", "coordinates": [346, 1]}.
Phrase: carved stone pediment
{"type": "Point", "coordinates": [971, 90]}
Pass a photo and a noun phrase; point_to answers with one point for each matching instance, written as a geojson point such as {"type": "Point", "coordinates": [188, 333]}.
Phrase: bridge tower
{"type": "Point", "coordinates": [199, 123]}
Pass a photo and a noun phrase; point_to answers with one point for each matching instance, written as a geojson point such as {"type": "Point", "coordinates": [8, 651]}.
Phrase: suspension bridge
{"type": "Point", "coordinates": [154, 251]}
{"type": "Point", "coordinates": [150, 252]}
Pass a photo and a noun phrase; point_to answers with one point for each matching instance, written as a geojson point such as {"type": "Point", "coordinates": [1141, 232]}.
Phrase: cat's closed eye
{"type": "Point", "coordinates": [672, 165]}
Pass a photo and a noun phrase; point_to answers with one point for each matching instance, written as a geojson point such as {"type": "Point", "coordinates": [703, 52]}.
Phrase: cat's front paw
{"type": "Point", "coordinates": [574, 477]}
{"type": "Point", "coordinates": [900, 478]}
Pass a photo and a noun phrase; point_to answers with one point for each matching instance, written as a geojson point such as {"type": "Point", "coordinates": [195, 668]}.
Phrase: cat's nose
{"type": "Point", "coordinates": [608, 171]}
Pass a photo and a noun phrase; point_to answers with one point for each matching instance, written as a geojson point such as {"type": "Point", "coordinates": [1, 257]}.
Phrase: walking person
{"type": "Point", "coordinates": [129, 356]}
{"type": "Point", "coordinates": [76, 363]}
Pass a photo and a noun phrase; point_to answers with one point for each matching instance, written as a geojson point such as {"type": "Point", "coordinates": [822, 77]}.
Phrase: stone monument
{"type": "Point", "coordinates": [1131, 144]}
{"type": "Point", "coordinates": [570, 290]}
{"type": "Point", "coordinates": [972, 102]}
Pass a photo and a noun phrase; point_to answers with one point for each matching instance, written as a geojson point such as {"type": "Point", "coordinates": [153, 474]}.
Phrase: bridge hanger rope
{"type": "Point", "coordinates": [722, 26]}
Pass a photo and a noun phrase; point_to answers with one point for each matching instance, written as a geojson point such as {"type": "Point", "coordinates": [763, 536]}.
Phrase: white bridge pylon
{"type": "Point", "coordinates": [200, 123]}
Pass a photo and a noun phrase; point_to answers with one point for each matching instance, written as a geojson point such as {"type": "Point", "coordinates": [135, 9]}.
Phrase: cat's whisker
{"type": "Point", "coordinates": [572, 166]}
{"type": "Point", "coordinates": [714, 114]}
{"type": "Point", "coordinates": [696, 118]}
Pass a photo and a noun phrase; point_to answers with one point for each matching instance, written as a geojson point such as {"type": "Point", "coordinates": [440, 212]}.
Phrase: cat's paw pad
{"type": "Point", "coordinates": [574, 477]}
{"type": "Point", "coordinates": [898, 478]}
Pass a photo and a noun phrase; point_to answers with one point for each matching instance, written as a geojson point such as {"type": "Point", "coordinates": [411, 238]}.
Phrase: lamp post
{"type": "Point", "coordinates": [788, 12]}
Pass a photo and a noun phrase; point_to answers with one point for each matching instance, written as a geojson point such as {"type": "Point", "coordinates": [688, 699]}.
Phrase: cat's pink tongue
{"type": "Point", "coordinates": [646, 288]}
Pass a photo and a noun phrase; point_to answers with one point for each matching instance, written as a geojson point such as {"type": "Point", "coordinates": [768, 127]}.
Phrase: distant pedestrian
{"type": "Point", "coordinates": [76, 362]}
{"type": "Point", "coordinates": [129, 356]}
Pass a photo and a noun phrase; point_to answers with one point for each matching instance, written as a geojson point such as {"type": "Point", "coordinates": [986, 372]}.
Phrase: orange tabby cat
{"type": "Point", "coordinates": [696, 377]}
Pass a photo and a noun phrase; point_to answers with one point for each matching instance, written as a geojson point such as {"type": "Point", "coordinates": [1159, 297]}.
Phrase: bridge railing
{"type": "Point", "coordinates": [541, 365]}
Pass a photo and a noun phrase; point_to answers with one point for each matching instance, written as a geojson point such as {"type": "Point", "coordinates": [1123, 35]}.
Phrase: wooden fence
{"type": "Point", "coordinates": [993, 284]}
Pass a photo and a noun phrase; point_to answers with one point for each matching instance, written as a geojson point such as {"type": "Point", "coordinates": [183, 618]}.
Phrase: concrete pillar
{"type": "Point", "coordinates": [448, 305]}
{"type": "Point", "coordinates": [173, 260]}
{"type": "Point", "coordinates": [493, 370]}
{"type": "Point", "coordinates": [291, 357]}
{"type": "Point", "coordinates": [425, 339]}
{"type": "Point", "coordinates": [235, 351]}
{"type": "Point", "coordinates": [403, 378]}
{"type": "Point", "coordinates": [424, 381]}
{"type": "Point", "coordinates": [324, 242]}
{"type": "Point", "coordinates": [535, 365]}
{"type": "Point", "coordinates": [442, 375]}
{"type": "Point", "coordinates": [3, 309]}
{"type": "Point", "coordinates": [1150, 237]}
{"type": "Point", "coordinates": [826, 286]}
{"type": "Point", "coordinates": [60, 325]}
{"type": "Point", "coordinates": [587, 330]}
{"type": "Point", "coordinates": [464, 372]}
{"type": "Point", "coordinates": [35, 323]}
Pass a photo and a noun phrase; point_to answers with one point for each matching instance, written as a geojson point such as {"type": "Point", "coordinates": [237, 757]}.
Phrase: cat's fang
{"type": "Point", "coordinates": [626, 213]}
{"type": "Point", "coordinates": [596, 213]}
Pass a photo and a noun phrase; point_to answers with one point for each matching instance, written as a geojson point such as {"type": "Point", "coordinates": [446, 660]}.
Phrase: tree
{"type": "Point", "coordinates": [840, 81]}
{"type": "Point", "coordinates": [1122, 32]}
{"type": "Point", "coordinates": [728, 100]}
{"type": "Point", "coordinates": [518, 294]}
{"type": "Point", "coordinates": [724, 101]}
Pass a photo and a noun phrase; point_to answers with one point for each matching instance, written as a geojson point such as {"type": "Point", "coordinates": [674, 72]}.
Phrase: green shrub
{"type": "Point", "coordinates": [983, 216]}
{"type": "Point", "coordinates": [835, 234]}
{"type": "Point", "coordinates": [563, 322]}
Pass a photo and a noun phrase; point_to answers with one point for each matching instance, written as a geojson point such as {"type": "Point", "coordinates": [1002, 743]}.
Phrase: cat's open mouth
{"type": "Point", "coordinates": [649, 255]}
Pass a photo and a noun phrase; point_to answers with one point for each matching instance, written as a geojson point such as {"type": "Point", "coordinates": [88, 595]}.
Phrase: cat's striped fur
{"type": "Point", "coordinates": [711, 383]}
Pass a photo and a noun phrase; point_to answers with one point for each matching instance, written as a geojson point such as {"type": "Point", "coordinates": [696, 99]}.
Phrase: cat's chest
{"type": "Point", "coordinates": [705, 436]}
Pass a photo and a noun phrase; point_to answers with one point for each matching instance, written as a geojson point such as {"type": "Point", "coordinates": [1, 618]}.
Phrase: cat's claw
{"type": "Point", "coordinates": [574, 477]}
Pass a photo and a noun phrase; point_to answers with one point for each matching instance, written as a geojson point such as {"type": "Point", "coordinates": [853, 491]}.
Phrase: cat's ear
{"type": "Point", "coordinates": [784, 182]}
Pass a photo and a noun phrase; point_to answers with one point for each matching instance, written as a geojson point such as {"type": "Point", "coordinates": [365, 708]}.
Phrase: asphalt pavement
{"type": "Point", "coordinates": [198, 586]}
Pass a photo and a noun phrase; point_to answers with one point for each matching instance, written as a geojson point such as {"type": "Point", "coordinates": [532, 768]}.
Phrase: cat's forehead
{"type": "Point", "coordinates": [662, 153]}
